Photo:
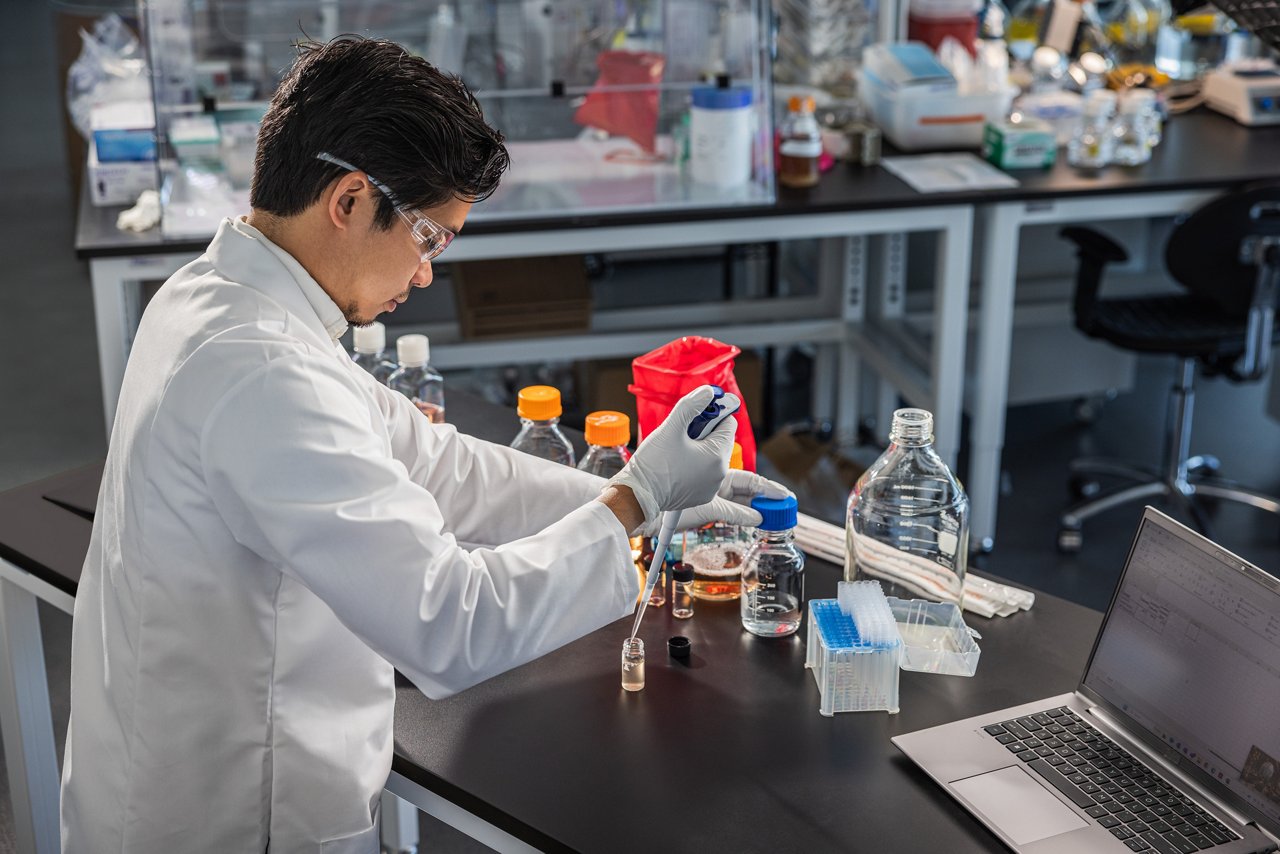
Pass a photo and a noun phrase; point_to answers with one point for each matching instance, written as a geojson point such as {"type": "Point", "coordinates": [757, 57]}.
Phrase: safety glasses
{"type": "Point", "coordinates": [431, 237]}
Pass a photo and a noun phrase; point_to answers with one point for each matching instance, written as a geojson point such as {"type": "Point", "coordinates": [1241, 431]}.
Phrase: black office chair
{"type": "Point", "coordinates": [1227, 257]}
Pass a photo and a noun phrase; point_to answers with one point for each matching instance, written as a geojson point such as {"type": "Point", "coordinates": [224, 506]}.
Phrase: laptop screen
{"type": "Point", "coordinates": [1190, 651]}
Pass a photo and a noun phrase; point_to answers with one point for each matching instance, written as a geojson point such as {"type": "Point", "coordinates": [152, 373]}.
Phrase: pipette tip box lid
{"type": "Point", "coordinates": [935, 638]}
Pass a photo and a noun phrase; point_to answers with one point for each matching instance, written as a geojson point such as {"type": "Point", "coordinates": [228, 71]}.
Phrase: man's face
{"type": "Point", "coordinates": [382, 267]}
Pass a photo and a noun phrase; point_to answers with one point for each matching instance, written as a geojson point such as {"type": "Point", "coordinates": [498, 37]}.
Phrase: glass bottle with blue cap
{"type": "Point", "coordinates": [773, 572]}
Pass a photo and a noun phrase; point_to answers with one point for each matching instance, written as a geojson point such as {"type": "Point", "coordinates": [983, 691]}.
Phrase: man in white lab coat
{"type": "Point", "coordinates": [275, 531]}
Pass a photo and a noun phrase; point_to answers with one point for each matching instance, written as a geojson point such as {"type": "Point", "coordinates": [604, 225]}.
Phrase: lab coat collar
{"type": "Point", "coordinates": [247, 257]}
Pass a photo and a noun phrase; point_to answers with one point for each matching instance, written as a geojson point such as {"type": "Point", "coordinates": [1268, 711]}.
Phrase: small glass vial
{"type": "Point", "coordinates": [682, 591]}
{"type": "Point", "coordinates": [773, 572]}
{"type": "Point", "coordinates": [369, 351]}
{"type": "Point", "coordinates": [416, 379]}
{"type": "Point", "coordinates": [1093, 142]}
{"type": "Point", "coordinates": [539, 409]}
{"type": "Point", "coordinates": [632, 664]}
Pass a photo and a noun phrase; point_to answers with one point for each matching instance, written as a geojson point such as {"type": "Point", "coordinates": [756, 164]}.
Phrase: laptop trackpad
{"type": "Point", "coordinates": [1023, 809]}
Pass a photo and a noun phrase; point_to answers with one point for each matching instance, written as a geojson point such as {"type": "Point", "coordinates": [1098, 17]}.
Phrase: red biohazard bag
{"type": "Point", "coordinates": [668, 373]}
{"type": "Point", "coordinates": [633, 114]}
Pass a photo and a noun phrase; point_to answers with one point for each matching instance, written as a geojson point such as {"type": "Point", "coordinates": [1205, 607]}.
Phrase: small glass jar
{"type": "Point", "coordinates": [632, 664]}
{"type": "Point", "coordinates": [714, 553]}
{"type": "Point", "coordinates": [682, 591]}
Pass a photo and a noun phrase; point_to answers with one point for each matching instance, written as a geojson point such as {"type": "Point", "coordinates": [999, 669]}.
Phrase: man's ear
{"type": "Point", "coordinates": [345, 197]}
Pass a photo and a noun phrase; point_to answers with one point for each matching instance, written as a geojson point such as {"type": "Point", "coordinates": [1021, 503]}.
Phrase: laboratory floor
{"type": "Point", "coordinates": [52, 404]}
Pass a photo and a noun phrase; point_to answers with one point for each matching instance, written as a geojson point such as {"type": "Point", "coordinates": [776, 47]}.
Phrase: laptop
{"type": "Point", "coordinates": [1171, 742]}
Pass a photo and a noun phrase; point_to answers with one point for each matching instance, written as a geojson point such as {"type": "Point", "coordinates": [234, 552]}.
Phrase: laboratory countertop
{"type": "Point", "coordinates": [1201, 150]}
{"type": "Point", "coordinates": [726, 753]}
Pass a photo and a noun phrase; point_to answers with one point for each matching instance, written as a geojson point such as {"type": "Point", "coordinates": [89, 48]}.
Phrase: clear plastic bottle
{"type": "Point", "coordinates": [539, 409]}
{"type": "Point", "coordinates": [715, 553]}
{"type": "Point", "coordinates": [1133, 131]}
{"type": "Point", "coordinates": [607, 436]}
{"type": "Point", "coordinates": [416, 379]}
{"type": "Point", "coordinates": [800, 146]}
{"type": "Point", "coordinates": [369, 351]}
{"type": "Point", "coordinates": [908, 518]}
{"type": "Point", "coordinates": [773, 572]}
{"type": "Point", "coordinates": [1092, 145]}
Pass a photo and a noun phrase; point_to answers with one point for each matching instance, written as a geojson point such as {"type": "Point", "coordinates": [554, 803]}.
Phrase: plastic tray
{"type": "Point", "coordinates": [853, 675]}
{"type": "Point", "coordinates": [935, 638]}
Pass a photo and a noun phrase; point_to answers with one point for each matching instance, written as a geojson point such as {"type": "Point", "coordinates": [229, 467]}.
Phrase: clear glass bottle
{"type": "Point", "coordinates": [773, 572]}
{"type": "Point", "coordinates": [369, 351]}
{"type": "Point", "coordinates": [715, 553]}
{"type": "Point", "coordinates": [800, 146]}
{"type": "Point", "coordinates": [416, 379]}
{"type": "Point", "coordinates": [908, 518]}
{"type": "Point", "coordinates": [1133, 130]}
{"type": "Point", "coordinates": [682, 591]}
{"type": "Point", "coordinates": [632, 664]}
{"type": "Point", "coordinates": [539, 409]}
{"type": "Point", "coordinates": [1132, 28]}
{"type": "Point", "coordinates": [658, 596]}
{"type": "Point", "coordinates": [1092, 145]}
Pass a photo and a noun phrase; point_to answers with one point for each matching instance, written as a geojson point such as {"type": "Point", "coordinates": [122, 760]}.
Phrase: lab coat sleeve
{"type": "Point", "coordinates": [506, 491]}
{"type": "Point", "coordinates": [302, 479]}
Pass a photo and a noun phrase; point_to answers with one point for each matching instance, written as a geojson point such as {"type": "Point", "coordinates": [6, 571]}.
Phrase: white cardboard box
{"type": "Point", "coordinates": [118, 183]}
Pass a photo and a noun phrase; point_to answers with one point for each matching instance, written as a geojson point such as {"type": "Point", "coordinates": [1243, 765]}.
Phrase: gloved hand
{"type": "Point", "coordinates": [670, 471]}
{"type": "Point", "coordinates": [729, 506]}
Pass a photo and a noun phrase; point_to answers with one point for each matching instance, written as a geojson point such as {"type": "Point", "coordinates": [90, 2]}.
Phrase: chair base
{"type": "Point", "coordinates": [1143, 484]}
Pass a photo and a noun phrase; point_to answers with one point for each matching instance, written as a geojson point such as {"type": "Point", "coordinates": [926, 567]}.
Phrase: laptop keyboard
{"type": "Point", "coordinates": [1110, 784]}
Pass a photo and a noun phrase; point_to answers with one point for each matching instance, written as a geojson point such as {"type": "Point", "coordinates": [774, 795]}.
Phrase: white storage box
{"type": "Point", "coordinates": [917, 103]}
{"type": "Point", "coordinates": [118, 183]}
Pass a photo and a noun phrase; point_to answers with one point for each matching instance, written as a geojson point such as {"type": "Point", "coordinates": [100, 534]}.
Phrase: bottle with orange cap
{"type": "Point", "coordinates": [539, 409]}
{"type": "Point", "coordinates": [715, 552]}
{"type": "Point", "coordinates": [801, 144]}
{"type": "Point", "coordinates": [607, 437]}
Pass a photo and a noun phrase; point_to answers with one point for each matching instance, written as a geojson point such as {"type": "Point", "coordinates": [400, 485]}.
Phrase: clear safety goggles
{"type": "Point", "coordinates": [431, 237]}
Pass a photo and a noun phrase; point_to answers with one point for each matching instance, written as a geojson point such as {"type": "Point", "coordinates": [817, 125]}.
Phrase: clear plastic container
{"type": "Point", "coordinates": [416, 379]}
{"type": "Point", "coordinates": [1133, 131]}
{"type": "Point", "coordinates": [773, 572]}
{"type": "Point", "coordinates": [908, 518]}
{"type": "Point", "coordinates": [1092, 146]}
{"type": "Point", "coordinates": [935, 638]}
{"type": "Point", "coordinates": [854, 650]}
{"type": "Point", "coordinates": [539, 410]}
{"type": "Point", "coordinates": [369, 351]}
{"type": "Point", "coordinates": [607, 435]}
{"type": "Point", "coordinates": [715, 553]}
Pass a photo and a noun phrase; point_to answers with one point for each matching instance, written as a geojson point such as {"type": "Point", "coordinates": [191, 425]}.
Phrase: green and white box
{"type": "Point", "coordinates": [1028, 144]}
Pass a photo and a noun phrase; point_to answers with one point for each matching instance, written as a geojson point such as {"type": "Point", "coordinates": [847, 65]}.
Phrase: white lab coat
{"type": "Point", "coordinates": [274, 532]}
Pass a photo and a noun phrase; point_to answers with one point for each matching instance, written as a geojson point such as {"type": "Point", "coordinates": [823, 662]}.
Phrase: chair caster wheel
{"type": "Point", "coordinates": [1082, 487]}
{"type": "Point", "coordinates": [1070, 540]}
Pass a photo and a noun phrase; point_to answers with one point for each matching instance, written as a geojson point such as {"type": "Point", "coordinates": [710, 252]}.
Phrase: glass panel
{"type": "Point", "coordinates": [594, 96]}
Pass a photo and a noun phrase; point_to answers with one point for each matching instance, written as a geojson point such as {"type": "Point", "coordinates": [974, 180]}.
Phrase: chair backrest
{"type": "Point", "coordinates": [1203, 251]}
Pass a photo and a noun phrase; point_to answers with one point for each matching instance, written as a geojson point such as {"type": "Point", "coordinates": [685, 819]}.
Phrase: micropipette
{"type": "Point", "coordinates": [723, 405]}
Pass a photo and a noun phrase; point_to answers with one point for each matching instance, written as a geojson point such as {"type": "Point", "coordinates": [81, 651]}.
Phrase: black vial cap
{"type": "Point", "coordinates": [682, 572]}
{"type": "Point", "coordinates": [679, 647]}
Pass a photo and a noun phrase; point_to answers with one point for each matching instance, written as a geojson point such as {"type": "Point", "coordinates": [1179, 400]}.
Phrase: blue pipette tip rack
{"type": "Point", "coordinates": [856, 671]}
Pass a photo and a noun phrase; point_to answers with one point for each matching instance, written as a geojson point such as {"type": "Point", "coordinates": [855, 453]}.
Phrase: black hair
{"type": "Point", "coordinates": [417, 130]}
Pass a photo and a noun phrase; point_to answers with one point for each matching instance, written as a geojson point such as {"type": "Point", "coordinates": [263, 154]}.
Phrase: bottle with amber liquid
{"type": "Point", "coordinates": [801, 145]}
